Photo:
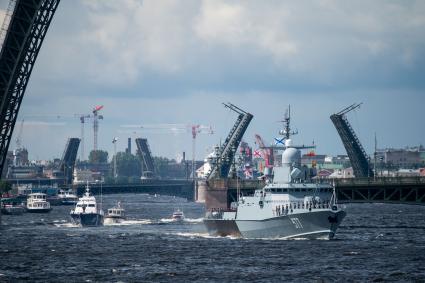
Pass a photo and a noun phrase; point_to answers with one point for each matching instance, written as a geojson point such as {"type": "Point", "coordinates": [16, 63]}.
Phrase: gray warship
{"type": "Point", "coordinates": [290, 205]}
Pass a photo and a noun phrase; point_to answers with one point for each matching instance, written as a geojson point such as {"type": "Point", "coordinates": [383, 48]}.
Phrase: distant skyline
{"type": "Point", "coordinates": [156, 62]}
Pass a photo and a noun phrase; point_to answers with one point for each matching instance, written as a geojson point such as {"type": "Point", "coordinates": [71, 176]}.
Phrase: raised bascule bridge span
{"type": "Point", "coordinates": [22, 34]}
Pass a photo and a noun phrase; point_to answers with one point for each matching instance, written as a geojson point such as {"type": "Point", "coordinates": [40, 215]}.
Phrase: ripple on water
{"type": "Point", "coordinates": [149, 246]}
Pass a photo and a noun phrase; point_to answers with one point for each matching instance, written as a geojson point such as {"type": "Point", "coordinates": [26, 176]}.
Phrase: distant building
{"type": "Point", "coordinates": [84, 176]}
{"type": "Point", "coordinates": [312, 160]}
{"type": "Point", "coordinates": [20, 157]}
{"type": "Point", "coordinates": [410, 157]}
{"type": "Point", "coordinates": [342, 173]}
{"type": "Point", "coordinates": [8, 162]}
{"type": "Point", "coordinates": [25, 172]}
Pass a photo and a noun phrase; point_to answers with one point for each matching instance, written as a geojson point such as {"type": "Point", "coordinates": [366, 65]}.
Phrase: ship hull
{"type": "Point", "coordinates": [315, 224]}
{"type": "Point", "coordinates": [68, 201]}
{"type": "Point", "coordinates": [87, 219]}
{"type": "Point", "coordinates": [221, 227]}
{"type": "Point", "coordinates": [113, 220]}
{"type": "Point", "coordinates": [13, 210]}
{"type": "Point", "coordinates": [39, 210]}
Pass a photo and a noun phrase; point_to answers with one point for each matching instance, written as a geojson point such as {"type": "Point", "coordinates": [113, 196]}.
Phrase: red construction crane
{"type": "Point", "coordinates": [266, 152]}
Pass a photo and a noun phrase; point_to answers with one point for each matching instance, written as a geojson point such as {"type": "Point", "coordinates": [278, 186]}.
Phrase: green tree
{"type": "Point", "coordinates": [128, 165]}
{"type": "Point", "coordinates": [98, 156]}
{"type": "Point", "coordinates": [161, 165]}
{"type": "Point", "coordinates": [5, 187]}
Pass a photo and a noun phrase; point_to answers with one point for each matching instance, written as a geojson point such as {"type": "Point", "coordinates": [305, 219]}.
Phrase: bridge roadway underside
{"type": "Point", "coordinates": [176, 188]}
{"type": "Point", "coordinates": [403, 190]}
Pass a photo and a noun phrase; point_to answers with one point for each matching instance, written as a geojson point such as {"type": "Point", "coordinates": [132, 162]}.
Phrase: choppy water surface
{"type": "Point", "coordinates": [375, 243]}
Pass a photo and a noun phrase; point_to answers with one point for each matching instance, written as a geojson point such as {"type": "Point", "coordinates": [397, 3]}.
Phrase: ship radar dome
{"type": "Point", "coordinates": [291, 155]}
{"type": "Point", "coordinates": [288, 142]}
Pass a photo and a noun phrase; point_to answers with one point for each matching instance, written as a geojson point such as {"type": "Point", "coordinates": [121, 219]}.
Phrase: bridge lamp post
{"type": "Point", "coordinates": [114, 141]}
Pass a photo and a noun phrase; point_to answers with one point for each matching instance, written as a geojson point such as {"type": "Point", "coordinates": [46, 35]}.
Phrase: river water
{"type": "Point", "coordinates": [376, 242]}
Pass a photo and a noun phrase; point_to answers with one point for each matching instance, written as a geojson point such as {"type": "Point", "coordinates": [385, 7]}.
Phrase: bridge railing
{"type": "Point", "coordinates": [379, 181]}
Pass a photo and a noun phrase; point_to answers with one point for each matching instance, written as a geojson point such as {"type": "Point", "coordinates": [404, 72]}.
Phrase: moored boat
{"type": "Point", "coordinates": [12, 206]}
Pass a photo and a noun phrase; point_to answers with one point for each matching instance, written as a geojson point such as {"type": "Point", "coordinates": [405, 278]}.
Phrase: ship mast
{"type": "Point", "coordinates": [286, 132]}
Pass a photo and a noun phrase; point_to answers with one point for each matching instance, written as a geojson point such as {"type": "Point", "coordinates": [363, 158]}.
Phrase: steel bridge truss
{"type": "Point", "coordinates": [227, 151]}
{"type": "Point", "coordinates": [358, 157]}
{"type": "Point", "coordinates": [144, 152]}
{"type": "Point", "coordinates": [27, 28]}
{"type": "Point", "coordinates": [409, 190]}
{"type": "Point", "coordinates": [68, 159]}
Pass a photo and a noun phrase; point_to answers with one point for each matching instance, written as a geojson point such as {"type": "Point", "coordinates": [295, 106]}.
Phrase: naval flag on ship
{"type": "Point", "coordinates": [279, 141]}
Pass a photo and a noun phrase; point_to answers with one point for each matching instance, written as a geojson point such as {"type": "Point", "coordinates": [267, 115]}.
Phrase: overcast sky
{"type": "Point", "coordinates": [156, 62]}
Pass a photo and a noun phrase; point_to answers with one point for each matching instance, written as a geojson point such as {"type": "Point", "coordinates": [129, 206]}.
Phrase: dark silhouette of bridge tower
{"type": "Point", "coordinates": [68, 159]}
{"type": "Point", "coordinates": [148, 166]}
{"type": "Point", "coordinates": [358, 157]}
{"type": "Point", "coordinates": [23, 37]}
{"type": "Point", "coordinates": [226, 153]}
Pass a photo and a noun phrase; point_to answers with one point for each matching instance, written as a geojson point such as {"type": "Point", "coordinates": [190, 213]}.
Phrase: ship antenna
{"type": "Point", "coordinates": [287, 122]}
{"type": "Point", "coordinates": [287, 133]}
{"type": "Point", "coordinates": [87, 189]}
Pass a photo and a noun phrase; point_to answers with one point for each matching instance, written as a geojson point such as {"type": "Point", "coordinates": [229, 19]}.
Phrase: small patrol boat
{"type": "Point", "coordinates": [67, 197]}
{"type": "Point", "coordinates": [37, 203]}
{"type": "Point", "coordinates": [178, 215]}
{"type": "Point", "coordinates": [87, 212]}
{"type": "Point", "coordinates": [115, 214]}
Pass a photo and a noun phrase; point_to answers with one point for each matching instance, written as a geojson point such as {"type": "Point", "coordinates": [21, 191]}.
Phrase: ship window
{"type": "Point", "coordinates": [303, 190]}
{"type": "Point", "coordinates": [285, 190]}
{"type": "Point", "coordinates": [274, 190]}
{"type": "Point", "coordinates": [91, 205]}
